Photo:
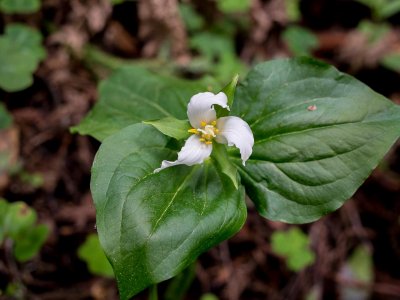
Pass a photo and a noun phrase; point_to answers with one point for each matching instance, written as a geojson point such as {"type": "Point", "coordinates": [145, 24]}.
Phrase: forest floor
{"type": "Point", "coordinates": [76, 35]}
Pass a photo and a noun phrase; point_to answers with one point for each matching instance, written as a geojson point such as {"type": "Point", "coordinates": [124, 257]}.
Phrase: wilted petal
{"type": "Point", "coordinates": [236, 132]}
{"type": "Point", "coordinates": [193, 152]}
{"type": "Point", "coordinates": [200, 107]}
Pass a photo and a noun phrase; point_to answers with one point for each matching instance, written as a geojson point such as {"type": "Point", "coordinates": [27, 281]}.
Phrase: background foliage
{"type": "Point", "coordinates": [53, 54]}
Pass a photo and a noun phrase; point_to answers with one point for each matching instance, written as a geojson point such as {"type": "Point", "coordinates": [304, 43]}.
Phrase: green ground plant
{"type": "Point", "coordinates": [318, 133]}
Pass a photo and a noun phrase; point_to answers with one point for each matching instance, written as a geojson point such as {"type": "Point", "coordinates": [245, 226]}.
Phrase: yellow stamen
{"type": "Point", "coordinates": [193, 130]}
{"type": "Point", "coordinates": [203, 124]}
{"type": "Point", "coordinates": [216, 130]}
{"type": "Point", "coordinates": [202, 140]}
{"type": "Point", "coordinates": [214, 123]}
{"type": "Point", "coordinates": [208, 143]}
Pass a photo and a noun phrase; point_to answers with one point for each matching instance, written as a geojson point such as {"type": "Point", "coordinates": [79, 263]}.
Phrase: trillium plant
{"type": "Point", "coordinates": [177, 158]}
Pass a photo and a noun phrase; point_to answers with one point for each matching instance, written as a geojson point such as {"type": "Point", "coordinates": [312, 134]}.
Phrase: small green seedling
{"type": "Point", "coordinates": [300, 41]}
{"type": "Point", "coordinates": [18, 223]}
{"type": "Point", "coordinates": [92, 253]}
{"type": "Point", "coordinates": [294, 246]}
{"type": "Point", "coordinates": [358, 268]}
{"type": "Point", "coordinates": [21, 51]}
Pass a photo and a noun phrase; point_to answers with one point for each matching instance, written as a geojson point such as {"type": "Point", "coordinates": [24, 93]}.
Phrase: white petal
{"type": "Point", "coordinates": [193, 152]}
{"type": "Point", "coordinates": [201, 107]}
{"type": "Point", "coordinates": [236, 132]}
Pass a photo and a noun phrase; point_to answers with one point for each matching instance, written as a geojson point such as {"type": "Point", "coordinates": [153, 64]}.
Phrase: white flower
{"type": "Point", "coordinates": [207, 129]}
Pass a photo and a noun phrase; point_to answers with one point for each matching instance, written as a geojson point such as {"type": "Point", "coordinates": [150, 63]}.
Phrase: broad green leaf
{"type": "Point", "coordinates": [5, 117]}
{"type": "Point", "coordinates": [20, 53]}
{"type": "Point", "coordinates": [132, 95]}
{"type": "Point", "coordinates": [153, 225]}
{"type": "Point", "coordinates": [318, 135]}
{"type": "Point", "coordinates": [178, 129]}
{"type": "Point", "coordinates": [19, 6]}
{"type": "Point", "coordinates": [28, 244]}
{"type": "Point", "coordinates": [92, 253]}
{"type": "Point", "coordinates": [300, 41]}
{"type": "Point", "coordinates": [294, 246]}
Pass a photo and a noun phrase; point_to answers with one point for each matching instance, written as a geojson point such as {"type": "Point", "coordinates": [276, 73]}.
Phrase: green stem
{"type": "Point", "coordinates": [153, 292]}
{"type": "Point", "coordinates": [95, 56]}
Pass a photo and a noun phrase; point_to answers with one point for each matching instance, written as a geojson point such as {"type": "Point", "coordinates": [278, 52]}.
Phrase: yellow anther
{"type": "Point", "coordinates": [193, 130]}
{"type": "Point", "coordinates": [216, 130]}
{"type": "Point", "coordinates": [208, 142]}
{"type": "Point", "coordinates": [203, 124]}
{"type": "Point", "coordinates": [202, 140]}
{"type": "Point", "coordinates": [214, 123]}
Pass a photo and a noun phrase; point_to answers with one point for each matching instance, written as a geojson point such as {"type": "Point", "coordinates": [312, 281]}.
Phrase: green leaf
{"type": "Point", "coordinates": [382, 9]}
{"type": "Point", "coordinates": [224, 165]}
{"type": "Point", "coordinates": [293, 10]}
{"type": "Point", "coordinates": [181, 283]}
{"type": "Point", "coordinates": [92, 253]}
{"type": "Point", "coordinates": [219, 51]}
{"type": "Point", "coordinates": [229, 91]}
{"type": "Point", "coordinates": [391, 8]}
{"type": "Point", "coordinates": [318, 135]}
{"type": "Point", "coordinates": [20, 53]}
{"type": "Point", "coordinates": [193, 20]}
{"type": "Point", "coordinates": [5, 117]}
{"type": "Point", "coordinates": [132, 95]}
{"type": "Point", "coordinates": [115, 2]}
{"type": "Point", "coordinates": [20, 217]}
{"type": "Point", "coordinates": [294, 246]}
{"type": "Point", "coordinates": [29, 243]}
{"type": "Point", "coordinates": [3, 213]}
{"type": "Point", "coordinates": [153, 225]}
{"type": "Point", "coordinates": [392, 61]}
{"type": "Point", "coordinates": [373, 32]}
{"type": "Point", "coordinates": [178, 129]}
{"type": "Point", "coordinates": [361, 264]}
{"type": "Point", "coordinates": [360, 268]}
{"type": "Point", "coordinates": [19, 6]}
{"type": "Point", "coordinates": [209, 296]}
{"type": "Point", "coordinates": [234, 6]}
{"type": "Point", "coordinates": [17, 221]}
{"type": "Point", "coordinates": [300, 41]}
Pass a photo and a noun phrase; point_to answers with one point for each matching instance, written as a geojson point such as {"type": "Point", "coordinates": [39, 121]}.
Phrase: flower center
{"type": "Point", "coordinates": [207, 132]}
